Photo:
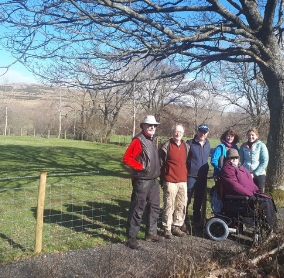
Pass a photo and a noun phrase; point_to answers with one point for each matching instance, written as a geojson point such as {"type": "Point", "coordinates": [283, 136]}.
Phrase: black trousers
{"type": "Point", "coordinates": [260, 182]}
{"type": "Point", "coordinates": [269, 209]}
{"type": "Point", "coordinates": [145, 201]}
{"type": "Point", "coordinates": [196, 187]}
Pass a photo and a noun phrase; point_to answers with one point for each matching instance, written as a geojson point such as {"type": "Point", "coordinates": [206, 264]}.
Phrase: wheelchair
{"type": "Point", "coordinates": [236, 215]}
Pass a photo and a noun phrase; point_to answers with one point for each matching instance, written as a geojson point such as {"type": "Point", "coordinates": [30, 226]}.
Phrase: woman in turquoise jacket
{"type": "Point", "coordinates": [229, 139]}
{"type": "Point", "coordinates": [254, 156]}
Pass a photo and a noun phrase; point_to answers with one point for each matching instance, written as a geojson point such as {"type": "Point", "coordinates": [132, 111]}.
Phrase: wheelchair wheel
{"type": "Point", "coordinates": [217, 229]}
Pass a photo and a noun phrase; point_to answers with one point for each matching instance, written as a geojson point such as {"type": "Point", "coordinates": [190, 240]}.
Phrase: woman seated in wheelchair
{"type": "Point", "coordinates": [236, 180]}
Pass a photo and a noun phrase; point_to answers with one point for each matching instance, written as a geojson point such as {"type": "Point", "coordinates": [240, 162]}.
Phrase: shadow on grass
{"type": "Point", "coordinates": [21, 160]}
{"type": "Point", "coordinates": [105, 220]}
{"type": "Point", "coordinates": [12, 243]}
{"type": "Point", "coordinates": [97, 219]}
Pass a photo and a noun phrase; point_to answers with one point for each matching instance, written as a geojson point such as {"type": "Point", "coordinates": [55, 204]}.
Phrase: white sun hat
{"type": "Point", "coordinates": [149, 119]}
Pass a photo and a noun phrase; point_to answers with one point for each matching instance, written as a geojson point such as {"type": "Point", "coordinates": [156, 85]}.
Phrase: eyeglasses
{"type": "Point", "coordinates": [149, 125]}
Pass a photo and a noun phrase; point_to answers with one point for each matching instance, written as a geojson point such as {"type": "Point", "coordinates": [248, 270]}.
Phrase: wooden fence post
{"type": "Point", "coordinates": [40, 211]}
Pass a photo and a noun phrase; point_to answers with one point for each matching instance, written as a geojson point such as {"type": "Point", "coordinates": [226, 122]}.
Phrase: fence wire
{"type": "Point", "coordinates": [76, 215]}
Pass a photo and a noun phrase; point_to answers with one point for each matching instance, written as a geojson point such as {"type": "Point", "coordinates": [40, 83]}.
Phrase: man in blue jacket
{"type": "Point", "coordinates": [197, 166]}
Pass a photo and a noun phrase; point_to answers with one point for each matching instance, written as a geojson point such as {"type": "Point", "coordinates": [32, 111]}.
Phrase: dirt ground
{"type": "Point", "coordinates": [161, 259]}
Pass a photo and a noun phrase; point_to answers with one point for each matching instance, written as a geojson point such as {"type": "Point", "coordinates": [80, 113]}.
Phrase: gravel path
{"type": "Point", "coordinates": [117, 260]}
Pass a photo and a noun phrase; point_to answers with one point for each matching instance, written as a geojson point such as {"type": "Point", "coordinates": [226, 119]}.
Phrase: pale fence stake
{"type": "Point", "coordinates": [40, 210]}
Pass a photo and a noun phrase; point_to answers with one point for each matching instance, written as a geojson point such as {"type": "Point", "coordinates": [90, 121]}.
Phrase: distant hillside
{"type": "Point", "coordinates": [22, 91]}
{"type": "Point", "coordinates": [28, 107]}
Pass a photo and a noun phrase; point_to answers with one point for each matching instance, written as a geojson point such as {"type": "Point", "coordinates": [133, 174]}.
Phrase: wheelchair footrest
{"type": "Point", "coordinates": [232, 230]}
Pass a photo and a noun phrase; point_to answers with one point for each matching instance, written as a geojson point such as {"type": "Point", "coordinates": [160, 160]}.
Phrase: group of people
{"type": "Point", "coordinates": [253, 155]}
{"type": "Point", "coordinates": [181, 169]}
{"type": "Point", "coordinates": [242, 171]}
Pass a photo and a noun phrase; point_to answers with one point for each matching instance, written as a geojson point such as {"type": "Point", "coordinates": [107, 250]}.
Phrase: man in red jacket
{"type": "Point", "coordinates": [142, 156]}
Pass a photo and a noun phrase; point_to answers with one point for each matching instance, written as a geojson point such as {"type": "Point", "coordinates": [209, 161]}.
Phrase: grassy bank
{"type": "Point", "coordinates": [87, 195]}
{"type": "Point", "coordinates": [87, 188]}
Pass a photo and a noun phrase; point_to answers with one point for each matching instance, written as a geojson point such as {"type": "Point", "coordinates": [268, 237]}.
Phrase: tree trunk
{"type": "Point", "coordinates": [274, 77]}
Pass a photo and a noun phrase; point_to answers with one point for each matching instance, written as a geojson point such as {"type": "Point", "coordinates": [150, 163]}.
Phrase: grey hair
{"type": "Point", "coordinates": [177, 124]}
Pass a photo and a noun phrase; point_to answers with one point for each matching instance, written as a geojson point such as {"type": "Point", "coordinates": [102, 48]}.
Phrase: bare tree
{"type": "Point", "coordinates": [138, 86]}
{"type": "Point", "coordinates": [6, 102]}
{"type": "Point", "coordinates": [241, 87]}
{"type": "Point", "coordinates": [188, 34]}
{"type": "Point", "coordinates": [100, 107]}
{"type": "Point", "coordinates": [155, 94]}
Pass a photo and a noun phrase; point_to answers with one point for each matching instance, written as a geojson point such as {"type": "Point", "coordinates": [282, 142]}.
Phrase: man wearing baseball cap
{"type": "Point", "coordinates": [197, 166]}
{"type": "Point", "coordinates": [143, 158]}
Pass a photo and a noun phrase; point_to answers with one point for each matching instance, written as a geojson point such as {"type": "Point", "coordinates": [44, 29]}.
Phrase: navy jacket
{"type": "Point", "coordinates": [197, 160]}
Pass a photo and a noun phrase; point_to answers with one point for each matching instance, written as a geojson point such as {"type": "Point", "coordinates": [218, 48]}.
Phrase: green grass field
{"type": "Point", "coordinates": [87, 194]}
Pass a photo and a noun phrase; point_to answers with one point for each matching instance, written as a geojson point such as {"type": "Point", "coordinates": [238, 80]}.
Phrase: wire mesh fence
{"type": "Point", "coordinates": [17, 225]}
{"type": "Point", "coordinates": [76, 215]}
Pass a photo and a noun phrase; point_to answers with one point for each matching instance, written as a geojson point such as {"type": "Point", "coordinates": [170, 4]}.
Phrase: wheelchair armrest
{"type": "Point", "coordinates": [234, 197]}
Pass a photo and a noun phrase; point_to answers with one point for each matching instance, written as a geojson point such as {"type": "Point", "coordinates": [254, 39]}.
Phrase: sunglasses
{"type": "Point", "coordinates": [149, 125]}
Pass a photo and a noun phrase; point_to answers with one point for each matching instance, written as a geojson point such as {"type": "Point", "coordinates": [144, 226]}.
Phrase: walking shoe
{"type": "Point", "coordinates": [168, 234]}
{"type": "Point", "coordinates": [132, 243]}
{"type": "Point", "coordinates": [153, 238]}
{"type": "Point", "coordinates": [184, 229]}
{"type": "Point", "coordinates": [177, 232]}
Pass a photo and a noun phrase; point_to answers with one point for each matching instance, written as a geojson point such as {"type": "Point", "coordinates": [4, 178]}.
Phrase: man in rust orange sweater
{"type": "Point", "coordinates": [142, 156]}
{"type": "Point", "coordinates": [173, 156]}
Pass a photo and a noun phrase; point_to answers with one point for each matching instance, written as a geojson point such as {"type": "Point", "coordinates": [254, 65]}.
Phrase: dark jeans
{"type": "Point", "coordinates": [145, 200]}
{"type": "Point", "coordinates": [196, 187]}
{"type": "Point", "coordinates": [260, 182]}
{"type": "Point", "coordinates": [269, 209]}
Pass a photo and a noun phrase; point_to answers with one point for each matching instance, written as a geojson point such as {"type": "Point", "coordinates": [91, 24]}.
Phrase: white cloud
{"type": "Point", "coordinates": [13, 76]}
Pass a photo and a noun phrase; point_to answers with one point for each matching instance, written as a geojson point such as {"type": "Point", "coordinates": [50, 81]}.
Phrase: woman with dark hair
{"type": "Point", "coordinates": [229, 139]}
{"type": "Point", "coordinates": [254, 157]}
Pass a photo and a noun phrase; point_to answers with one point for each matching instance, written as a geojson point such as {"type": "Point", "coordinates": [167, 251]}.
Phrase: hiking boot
{"type": "Point", "coordinates": [168, 234]}
{"type": "Point", "coordinates": [132, 243]}
{"type": "Point", "coordinates": [184, 229]}
{"type": "Point", "coordinates": [153, 238]}
{"type": "Point", "coordinates": [177, 232]}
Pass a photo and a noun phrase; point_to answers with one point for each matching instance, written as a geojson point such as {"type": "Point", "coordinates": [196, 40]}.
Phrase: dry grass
{"type": "Point", "coordinates": [193, 256]}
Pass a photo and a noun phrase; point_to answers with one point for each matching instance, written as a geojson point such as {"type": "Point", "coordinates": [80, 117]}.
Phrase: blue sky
{"type": "Point", "coordinates": [17, 73]}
